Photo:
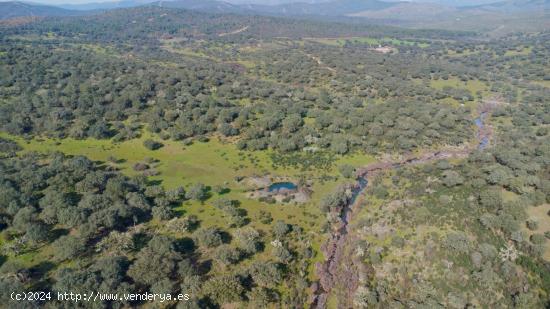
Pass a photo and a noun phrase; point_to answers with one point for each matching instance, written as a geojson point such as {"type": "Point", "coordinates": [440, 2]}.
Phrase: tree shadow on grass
{"type": "Point", "coordinates": [40, 270]}
{"type": "Point", "coordinates": [226, 237]}
{"type": "Point", "coordinates": [56, 233]}
{"type": "Point", "coordinates": [178, 211]}
{"type": "Point", "coordinates": [186, 245]}
{"type": "Point", "coordinates": [224, 191]}
{"type": "Point", "coordinates": [156, 182]}
{"type": "Point", "coordinates": [205, 266]}
{"type": "Point", "coordinates": [141, 240]}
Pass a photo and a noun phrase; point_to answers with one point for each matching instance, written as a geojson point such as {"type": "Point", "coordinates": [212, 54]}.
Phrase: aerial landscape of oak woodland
{"type": "Point", "coordinates": [275, 154]}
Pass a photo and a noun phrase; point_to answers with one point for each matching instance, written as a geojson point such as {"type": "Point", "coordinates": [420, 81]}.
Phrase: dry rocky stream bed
{"type": "Point", "coordinates": [342, 269]}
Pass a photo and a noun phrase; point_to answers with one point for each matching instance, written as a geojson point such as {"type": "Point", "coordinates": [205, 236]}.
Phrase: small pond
{"type": "Point", "coordinates": [282, 186]}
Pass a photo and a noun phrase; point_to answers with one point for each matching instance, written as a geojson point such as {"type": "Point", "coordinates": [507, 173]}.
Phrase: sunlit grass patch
{"type": "Point", "coordinates": [216, 162]}
{"type": "Point", "coordinates": [525, 50]}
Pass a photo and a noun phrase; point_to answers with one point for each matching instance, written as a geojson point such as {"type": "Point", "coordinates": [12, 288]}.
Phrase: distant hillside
{"type": "Point", "coordinates": [332, 8]}
{"type": "Point", "coordinates": [210, 6]}
{"type": "Point", "coordinates": [520, 4]}
{"type": "Point", "coordinates": [106, 5]}
{"type": "Point", "coordinates": [454, 3]}
{"type": "Point", "coordinates": [12, 9]}
{"type": "Point", "coordinates": [148, 24]}
{"type": "Point", "coordinates": [513, 6]}
{"type": "Point", "coordinates": [408, 11]}
{"type": "Point", "coordinates": [400, 10]}
{"type": "Point", "coordinates": [504, 16]}
{"type": "Point", "coordinates": [373, 9]}
{"type": "Point", "coordinates": [296, 8]}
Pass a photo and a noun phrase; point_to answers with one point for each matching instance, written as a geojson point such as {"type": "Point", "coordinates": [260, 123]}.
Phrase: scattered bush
{"type": "Point", "coordinates": [458, 242]}
{"type": "Point", "coordinates": [152, 145]}
{"type": "Point", "coordinates": [139, 167]}
{"type": "Point", "coordinates": [346, 170]}
{"type": "Point", "coordinates": [208, 237]}
{"type": "Point", "coordinates": [227, 255]}
{"type": "Point", "coordinates": [532, 224]}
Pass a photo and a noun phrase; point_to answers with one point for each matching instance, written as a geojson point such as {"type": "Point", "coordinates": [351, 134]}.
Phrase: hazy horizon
{"type": "Point", "coordinates": [265, 2]}
{"type": "Point", "coordinates": [56, 2]}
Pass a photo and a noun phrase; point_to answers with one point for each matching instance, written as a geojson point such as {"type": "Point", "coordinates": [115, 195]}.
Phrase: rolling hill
{"type": "Point", "coordinates": [507, 15]}
{"type": "Point", "coordinates": [332, 8]}
{"type": "Point", "coordinates": [407, 11]}
{"type": "Point", "coordinates": [210, 6]}
{"type": "Point", "coordinates": [106, 5]}
{"type": "Point", "coordinates": [499, 17]}
{"type": "Point", "coordinates": [12, 9]}
{"type": "Point", "coordinates": [513, 6]}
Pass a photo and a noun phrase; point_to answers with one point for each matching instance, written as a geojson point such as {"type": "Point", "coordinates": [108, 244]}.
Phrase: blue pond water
{"type": "Point", "coordinates": [282, 185]}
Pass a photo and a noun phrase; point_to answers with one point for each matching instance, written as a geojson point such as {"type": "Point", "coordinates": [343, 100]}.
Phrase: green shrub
{"type": "Point", "coordinates": [152, 145]}
{"type": "Point", "coordinates": [532, 224]}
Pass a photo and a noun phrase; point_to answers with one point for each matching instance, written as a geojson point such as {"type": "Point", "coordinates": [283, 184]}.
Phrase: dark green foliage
{"type": "Point", "coordinates": [265, 274]}
{"type": "Point", "coordinates": [261, 297]}
{"type": "Point", "coordinates": [68, 247]}
{"type": "Point", "coordinates": [37, 232]}
{"type": "Point", "coordinates": [107, 275]}
{"type": "Point", "coordinates": [227, 255]}
{"type": "Point", "coordinates": [452, 178]}
{"type": "Point", "coordinates": [160, 254]}
{"type": "Point", "coordinates": [234, 215]}
{"type": "Point", "coordinates": [380, 191]}
{"type": "Point", "coordinates": [162, 212]}
{"type": "Point", "coordinates": [222, 290]}
{"type": "Point", "coordinates": [152, 145]}
{"type": "Point", "coordinates": [77, 195]}
{"type": "Point", "coordinates": [532, 224]}
{"type": "Point", "coordinates": [200, 98]}
{"type": "Point", "coordinates": [248, 239]}
{"type": "Point", "coordinates": [282, 254]}
{"type": "Point", "coordinates": [346, 170]}
{"type": "Point", "coordinates": [175, 195]}
{"type": "Point", "coordinates": [115, 74]}
{"type": "Point", "coordinates": [7, 146]}
{"type": "Point", "coordinates": [265, 217]}
{"type": "Point", "coordinates": [224, 204]}
{"type": "Point", "coordinates": [197, 192]}
{"type": "Point", "coordinates": [304, 161]}
{"type": "Point", "coordinates": [538, 239]}
{"type": "Point", "coordinates": [537, 268]}
{"type": "Point", "coordinates": [208, 237]}
{"type": "Point", "coordinates": [280, 229]}
{"type": "Point", "coordinates": [335, 200]}
{"type": "Point", "coordinates": [220, 189]}
{"type": "Point", "coordinates": [490, 199]}
{"type": "Point", "coordinates": [457, 242]}
{"type": "Point", "coordinates": [182, 225]}
{"type": "Point", "coordinates": [8, 284]}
